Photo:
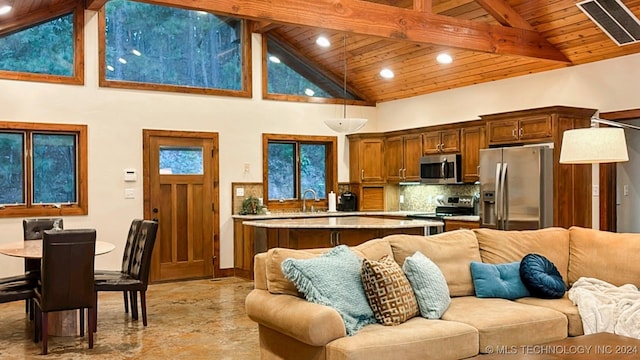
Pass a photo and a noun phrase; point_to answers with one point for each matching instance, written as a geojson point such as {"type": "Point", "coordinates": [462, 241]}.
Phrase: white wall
{"type": "Point", "coordinates": [116, 118]}
{"type": "Point", "coordinates": [628, 206]}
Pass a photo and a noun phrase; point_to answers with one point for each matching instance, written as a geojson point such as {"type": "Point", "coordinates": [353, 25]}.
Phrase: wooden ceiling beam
{"type": "Point", "coordinates": [38, 16]}
{"type": "Point", "coordinates": [371, 19]}
{"type": "Point", "coordinates": [94, 5]}
{"type": "Point", "coordinates": [261, 27]}
{"type": "Point", "coordinates": [504, 13]}
{"type": "Point", "coordinates": [423, 5]}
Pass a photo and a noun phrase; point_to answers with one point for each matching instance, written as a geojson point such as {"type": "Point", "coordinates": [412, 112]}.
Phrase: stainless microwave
{"type": "Point", "coordinates": [441, 169]}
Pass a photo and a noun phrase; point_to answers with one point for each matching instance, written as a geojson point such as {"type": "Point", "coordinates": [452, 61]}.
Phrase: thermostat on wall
{"type": "Point", "coordinates": [130, 175]}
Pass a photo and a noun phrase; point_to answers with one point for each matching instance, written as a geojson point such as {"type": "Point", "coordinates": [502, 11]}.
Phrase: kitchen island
{"type": "Point", "coordinates": [322, 231]}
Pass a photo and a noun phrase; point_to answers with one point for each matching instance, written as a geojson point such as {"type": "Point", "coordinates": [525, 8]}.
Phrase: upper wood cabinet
{"type": "Point", "coordinates": [366, 158]}
{"type": "Point", "coordinates": [438, 142]}
{"type": "Point", "coordinates": [402, 156]}
{"type": "Point", "coordinates": [526, 129]}
{"type": "Point", "coordinates": [472, 140]}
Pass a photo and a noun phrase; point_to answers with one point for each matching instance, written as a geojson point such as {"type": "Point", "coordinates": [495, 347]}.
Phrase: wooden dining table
{"type": "Point", "coordinates": [61, 323]}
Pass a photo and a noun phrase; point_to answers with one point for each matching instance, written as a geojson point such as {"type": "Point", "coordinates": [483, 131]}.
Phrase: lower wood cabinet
{"type": "Point", "coordinates": [450, 225]}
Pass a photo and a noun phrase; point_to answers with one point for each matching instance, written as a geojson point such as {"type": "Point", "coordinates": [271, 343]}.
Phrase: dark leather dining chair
{"type": "Point", "coordinates": [137, 280]}
{"type": "Point", "coordinates": [127, 257]}
{"type": "Point", "coordinates": [32, 229]}
{"type": "Point", "coordinates": [66, 278]}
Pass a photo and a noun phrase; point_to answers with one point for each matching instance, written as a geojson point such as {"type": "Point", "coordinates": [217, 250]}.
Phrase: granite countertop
{"type": "Point", "coordinates": [292, 215]}
{"type": "Point", "coordinates": [341, 222]}
{"type": "Point", "coordinates": [470, 218]}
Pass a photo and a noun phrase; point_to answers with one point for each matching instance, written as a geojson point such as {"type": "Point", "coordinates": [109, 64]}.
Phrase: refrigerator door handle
{"type": "Point", "coordinates": [496, 207]}
{"type": "Point", "coordinates": [503, 197]}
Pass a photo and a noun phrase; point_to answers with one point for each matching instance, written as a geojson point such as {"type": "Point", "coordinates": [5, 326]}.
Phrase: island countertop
{"type": "Point", "coordinates": [342, 222]}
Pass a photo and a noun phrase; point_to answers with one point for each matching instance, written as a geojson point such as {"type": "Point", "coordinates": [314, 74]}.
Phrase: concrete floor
{"type": "Point", "coordinates": [199, 319]}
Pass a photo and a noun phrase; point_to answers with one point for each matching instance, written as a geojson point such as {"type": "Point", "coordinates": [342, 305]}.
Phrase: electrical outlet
{"type": "Point", "coordinates": [240, 191]}
{"type": "Point", "coordinates": [625, 190]}
{"type": "Point", "coordinates": [401, 199]}
{"type": "Point", "coordinates": [129, 193]}
{"type": "Point", "coordinates": [595, 191]}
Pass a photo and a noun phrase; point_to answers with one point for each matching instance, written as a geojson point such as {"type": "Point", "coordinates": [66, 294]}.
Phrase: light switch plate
{"type": "Point", "coordinates": [129, 193]}
{"type": "Point", "coordinates": [595, 190]}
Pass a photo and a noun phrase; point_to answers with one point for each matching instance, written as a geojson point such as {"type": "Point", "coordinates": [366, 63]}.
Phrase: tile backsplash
{"type": "Point", "coordinates": [423, 197]}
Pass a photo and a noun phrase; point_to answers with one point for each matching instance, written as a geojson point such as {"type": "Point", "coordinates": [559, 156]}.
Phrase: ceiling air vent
{"type": "Point", "coordinates": [614, 18]}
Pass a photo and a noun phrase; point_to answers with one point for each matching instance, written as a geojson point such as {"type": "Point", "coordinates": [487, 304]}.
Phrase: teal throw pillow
{"type": "Point", "coordinates": [498, 280]}
{"type": "Point", "coordinates": [333, 279]}
{"type": "Point", "coordinates": [428, 284]}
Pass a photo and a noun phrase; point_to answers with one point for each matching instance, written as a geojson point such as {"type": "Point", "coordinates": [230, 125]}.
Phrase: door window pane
{"type": "Point", "coordinates": [181, 160]}
{"type": "Point", "coordinates": [11, 168]}
{"type": "Point", "coordinates": [282, 167]}
{"type": "Point", "coordinates": [54, 168]}
{"type": "Point", "coordinates": [313, 168]}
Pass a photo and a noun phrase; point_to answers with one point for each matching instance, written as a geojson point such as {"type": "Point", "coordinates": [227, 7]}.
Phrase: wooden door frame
{"type": "Point", "coordinates": [608, 176]}
{"type": "Point", "coordinates": [215, 191]}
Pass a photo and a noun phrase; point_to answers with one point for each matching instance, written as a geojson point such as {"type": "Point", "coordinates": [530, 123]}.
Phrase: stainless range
{"type": "Point", "coordinates": [449, 206]}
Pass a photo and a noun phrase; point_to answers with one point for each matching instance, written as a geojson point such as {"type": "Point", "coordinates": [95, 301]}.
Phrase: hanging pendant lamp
{"type": "Point", "coordinates": [345, 124]}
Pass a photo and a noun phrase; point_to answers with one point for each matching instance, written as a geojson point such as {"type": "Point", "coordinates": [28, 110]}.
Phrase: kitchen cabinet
{"type": "Point", "coordinates": [402, 156]}
{"type": "Point", "coordinates": [472, 140]}
{"type": "Point", "coordinates": [450, 225]}
{"type": "Point", "coordinates": [439, 142]}
{"type": "Point", "coordinates": [366, 158]}
{"type": "Point", "coordinates": [371, 197]}
{"type": "Point", "coordinates": [526, 129]}
{"type": "Point", "coordinates": [243, 249]}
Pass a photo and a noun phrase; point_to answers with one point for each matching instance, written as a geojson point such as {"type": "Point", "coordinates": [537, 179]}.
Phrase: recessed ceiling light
{"type": "Point", "coordinates": [5, 9]}
{"type": "Point", "coordinates": [309, 92]}
{"type": "Point", "coordinates": [136, 52]}
{"type": "Point", "coordinates": [274, 59]}
{"type": "Point", "coordinates": [387, 73]}
{"type": "Point", "coordinates": [444, 58]}
{"type": "Point", "coordinates": [323, 41]}
{"type": "Point", "coordinates": [122, 60]}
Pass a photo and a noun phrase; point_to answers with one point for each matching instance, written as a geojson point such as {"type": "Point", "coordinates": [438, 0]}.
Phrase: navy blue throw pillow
{"type": "Point", "coordinates": [541, 277]}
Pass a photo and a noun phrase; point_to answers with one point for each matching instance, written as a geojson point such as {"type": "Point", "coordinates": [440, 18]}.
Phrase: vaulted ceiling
{"type": "Point", "coordinates": [488, 39]}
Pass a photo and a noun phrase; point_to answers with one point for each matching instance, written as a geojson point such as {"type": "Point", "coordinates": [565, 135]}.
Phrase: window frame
{"type": "Point", "coordinates": [78, 52]}
{"type": "Point", "coordinates": [331, 143]}
{"type": "Point", "coordinates": [81, 207]}
{"type": "Point", "coordinates": [246, 84]}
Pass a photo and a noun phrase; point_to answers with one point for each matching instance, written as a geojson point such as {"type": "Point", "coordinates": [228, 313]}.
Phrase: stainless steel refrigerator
{"type": "Point", "coordinates": [516, 187]}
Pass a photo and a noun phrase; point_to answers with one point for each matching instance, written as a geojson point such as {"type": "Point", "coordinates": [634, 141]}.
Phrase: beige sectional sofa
{"type": "Point", "coordinates": [292, 328]}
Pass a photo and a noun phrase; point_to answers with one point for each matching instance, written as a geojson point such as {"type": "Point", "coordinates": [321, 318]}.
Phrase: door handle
{"type": "Point", "coordinates": [504, 203]}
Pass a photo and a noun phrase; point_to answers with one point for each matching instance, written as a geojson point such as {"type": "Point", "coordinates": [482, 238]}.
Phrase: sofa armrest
{"type": "Point", "coordinates": [310, 323]}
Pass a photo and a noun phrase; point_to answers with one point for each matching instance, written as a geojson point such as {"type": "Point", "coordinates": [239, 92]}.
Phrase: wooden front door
{"type": "Point", "coordinates": [181, 192]}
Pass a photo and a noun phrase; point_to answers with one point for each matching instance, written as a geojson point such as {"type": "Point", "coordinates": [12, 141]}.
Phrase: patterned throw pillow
{"type": "Point", "coordinates": [388, 291]}
{"type": "Point", "coordinates": [429, 285]}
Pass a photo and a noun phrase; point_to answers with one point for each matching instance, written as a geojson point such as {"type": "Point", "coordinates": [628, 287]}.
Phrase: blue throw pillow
{"type": "Point", "coordinates": [498, 280]}
{"type": "Point", "coordinates": [333, 279]}
{"type": "Point", "coordinates": [541, 277]}
{"type": "Point", "coordinates": [429, 285]}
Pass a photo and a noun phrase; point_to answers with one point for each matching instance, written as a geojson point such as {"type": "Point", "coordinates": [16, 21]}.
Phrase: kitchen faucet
{"type": "Point", "coordinates": [304, 199]}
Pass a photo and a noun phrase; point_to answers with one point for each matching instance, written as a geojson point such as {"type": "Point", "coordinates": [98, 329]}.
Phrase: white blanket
{"type": "Point", "coordinates": [604, 307]}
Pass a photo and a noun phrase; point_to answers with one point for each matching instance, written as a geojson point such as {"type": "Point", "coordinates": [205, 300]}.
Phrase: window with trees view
{"type": "Point", "coordinates": [165, 48]}
{"type": "Point", "coordinates": [44, 169]}
{"type": "Point", "coordinates": [294, 163]}
{"type": "Point", "coordinates": [49, 51]}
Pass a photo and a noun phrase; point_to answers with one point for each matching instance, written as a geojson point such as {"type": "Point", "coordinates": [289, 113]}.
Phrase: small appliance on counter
{"type": "Point", "coordinates": [348, 201]}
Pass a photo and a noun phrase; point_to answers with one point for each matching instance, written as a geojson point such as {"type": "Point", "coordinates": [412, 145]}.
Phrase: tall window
{"type": "Point", "coordinates": [164, 48]}
{"type": "Point", "coordinates": [50, 51]}
{"type": "Point", "coordinates": [294, 164]}
{"type": "Point", "coordinates": [44, 169]}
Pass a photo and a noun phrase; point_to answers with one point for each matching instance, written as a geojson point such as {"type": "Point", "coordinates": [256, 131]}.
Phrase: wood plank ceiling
{"type": "Point", "coordinates": [488, 39]}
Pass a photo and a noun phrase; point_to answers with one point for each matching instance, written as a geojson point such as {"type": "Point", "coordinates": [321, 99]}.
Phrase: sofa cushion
{"type": "Point", "coordinates": [416, 339]}
{"type": "Point", "coordinates": [428, 284]}
{"type": "Point", "coordinates": [500, 246]}
{"type": "Point", "coordinates": [503, 322]}
{"type": "Point", "coordinates": [388, 291]}
{"type": "Point", "coordinates": [333, 279]}
{"type": "Point", "coordinates": [589, 249]}
{"type": "Point", "coordinates": [498, 280]}
{"type": "Point", "coordinates": [452, 251]}
{"type": "Point", "coordinates": [277, 283]}
{"type": "Point", "coordinates": [565, 306]}
{"type": "Point", "coordinates": [541, 277]}
{"type": "Point", "coordinates": [373, 249]}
